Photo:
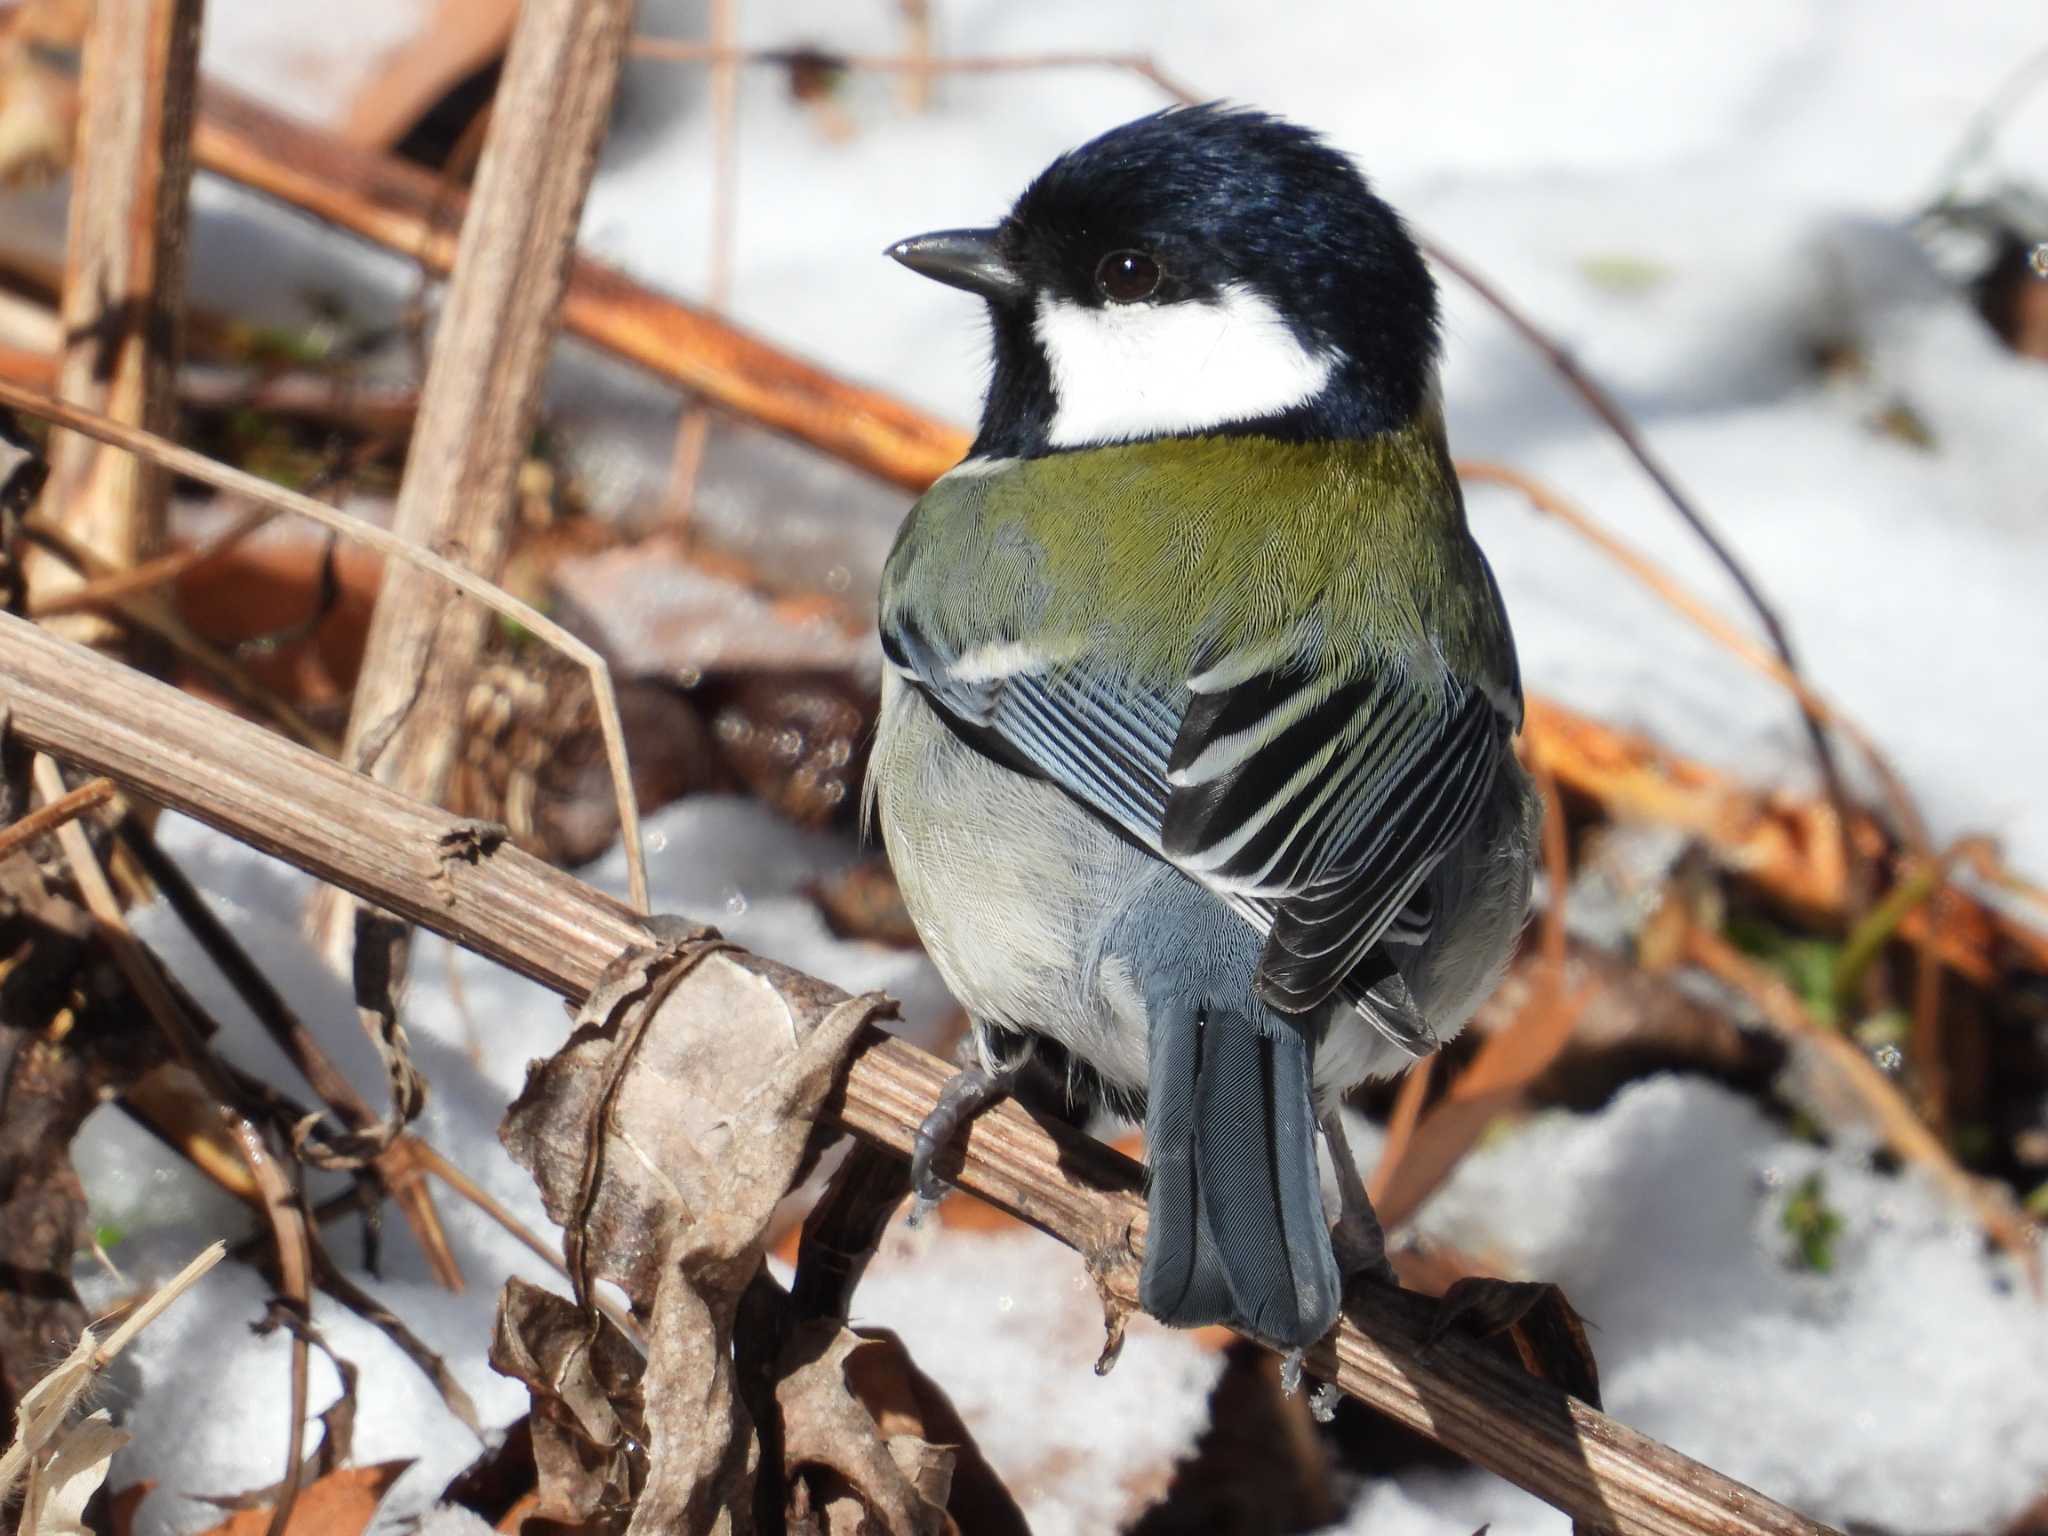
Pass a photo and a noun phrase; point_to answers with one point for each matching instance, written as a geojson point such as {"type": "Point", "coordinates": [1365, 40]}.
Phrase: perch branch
{"type": "Point", "coordinates": [415, 861]}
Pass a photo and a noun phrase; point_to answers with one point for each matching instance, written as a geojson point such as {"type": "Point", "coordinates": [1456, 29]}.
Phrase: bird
{"type": "Point", "coordinates": [1195, 755]}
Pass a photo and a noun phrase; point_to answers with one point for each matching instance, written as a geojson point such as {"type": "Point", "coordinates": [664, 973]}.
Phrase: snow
{"type": "Point", "coordinates": [1906, 1389]}
{"type": "Point", "coordinates": [1692, 199]}
{"type": "Point", "coordinates": [1009, 1325]}
{"type": "Point", "coordinates": [284, 57]}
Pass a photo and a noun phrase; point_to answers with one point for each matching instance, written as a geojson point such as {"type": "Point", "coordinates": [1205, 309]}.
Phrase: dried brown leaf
{"type": "Point", "coordinates": [825, 1427]}
{"type": "Point", "coordinates": [340, 1504]}
{"type": "Point", "coordinates": [67, 1473]}
{"type": "Point", "coordinates": [585, 1387]}
{"type": "Point", "coordinates": [663, 1136]}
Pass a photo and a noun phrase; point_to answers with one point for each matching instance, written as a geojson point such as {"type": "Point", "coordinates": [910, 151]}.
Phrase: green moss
{"type": "Point", "coordinates": [1812, 1224]}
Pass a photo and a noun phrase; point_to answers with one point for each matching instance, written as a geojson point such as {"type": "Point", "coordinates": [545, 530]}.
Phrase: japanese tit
{"type": "Point", "coordinates": [1195, 757]}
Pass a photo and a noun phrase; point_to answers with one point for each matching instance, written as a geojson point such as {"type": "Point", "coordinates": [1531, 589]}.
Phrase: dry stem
{"type": "Point", "coordinates": [124, 275]}
{"type": "Point", "coordinates": [916, 65]}
{"type": "Point", "coordinates": [479, 403]}
{"type": "Point", "coordinates": [1903, 1131]}
{"type": "Point", "coordinates": [280, 1199]}
{"type": "Point", "coordinates": [401, 207]}
{"type": "Point", "coordinates": [48, 818]}
{"type": "Point", "coordinates": [88, 1358]}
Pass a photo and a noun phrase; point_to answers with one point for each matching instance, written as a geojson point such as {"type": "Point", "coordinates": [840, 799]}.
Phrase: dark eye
{"type": "Point", "coordinates": [1127, 276]}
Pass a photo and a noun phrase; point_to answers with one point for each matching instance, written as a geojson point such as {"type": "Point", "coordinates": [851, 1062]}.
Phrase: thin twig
{"type": "Point", "coordinates": [693, 431]}
{"type": "Point", "coordinates": [280, 1200]}
{"type": "Point", "coordinates": [436, 1162]}
{"type": "Point", "coordinates": [1912, 825]}
{"type": "Point", "coordinates": [47, 818]}
{"type": "Point", "coordinates": [198, 466]}
{"type": "Point", "coordinates": [89, 1358]}
{"type": "Point", "coordinates": [308, 1057]}
{"type": "Point", "coordinates": [397, 204]}
{"type": "Point", "coordinates": [677, 51]}
{"type": "Point", "coordinates": [105, 590]}
{"type": "Point", "coordinates": [1902, 1130]}
{"type": "Point", "coordinates": [148, 613]}
{"type": "Point", "coordinates": [1985, 124]}
{"type": "Point", "coordinates": [1407, 1114]}
{"type": "Point", "coordinates": [1604, 406]}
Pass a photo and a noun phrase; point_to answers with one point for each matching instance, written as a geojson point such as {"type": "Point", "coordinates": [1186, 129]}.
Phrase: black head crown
{"type": "Point", "coordinates": [1203, 270]}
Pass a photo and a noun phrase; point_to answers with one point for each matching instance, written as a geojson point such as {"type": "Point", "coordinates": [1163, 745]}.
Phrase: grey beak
{"type": "Point", "coordinates": [962, 258]}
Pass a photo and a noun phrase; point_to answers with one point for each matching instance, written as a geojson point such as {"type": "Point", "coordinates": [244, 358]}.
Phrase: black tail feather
{"type": "Point", "coordinates": [1237, 1228]}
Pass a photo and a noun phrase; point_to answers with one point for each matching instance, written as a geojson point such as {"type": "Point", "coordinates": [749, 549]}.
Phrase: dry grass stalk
{"type": "Point", "coordinates": [104, 591]}
{"type": "Point", "coordinates": [45, 1412]}
{"type": "Point", "coordinates": [1911, 825]}
{"type": "Point", "coordinates": [479, 403]}
{"type": "Point", "coordinates": [1903, 1131]}
{"type": "Point", "coordinates": [124, 277]}
{"type": "Point", "coordinates": [1419, 1155]}
{"type": "Point", "coordinates": [240, 483]}
{"type": "Point", "coordinates": [274, 1184]}
{"type": "Point", "coordinates": [693, 431]}
{"type": "Point", "coordinates": [151, 613]}
{"type": "Point", "coordinates": [422, 864]}
{"type": "Point", "coordinates": [47, 818]}
{"type": "Point", "coordinates": [389, 1152]}
{"type": "Point", "coordinates": [1610, 414]}
{"type": "Point", "coordinates": [919, 64]}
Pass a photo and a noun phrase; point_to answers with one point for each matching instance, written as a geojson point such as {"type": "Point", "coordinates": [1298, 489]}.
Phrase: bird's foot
{"type": "Point", "coordinates": [965, 1095]}
{"type": "Point", "coordinates": [1358, 1240]}
{"type": "Point", "coordinates": [1361, 1249]}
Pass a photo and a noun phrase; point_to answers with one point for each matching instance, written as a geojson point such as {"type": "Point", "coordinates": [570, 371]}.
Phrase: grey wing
{"type": "Point", "coordinates": [1315, 807]}
{"type": "Point", "coordinates": [1331, 801]}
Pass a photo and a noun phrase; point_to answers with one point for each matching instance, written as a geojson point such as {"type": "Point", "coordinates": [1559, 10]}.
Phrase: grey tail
{"type": "Point", "coordinates": [1237, 1228]}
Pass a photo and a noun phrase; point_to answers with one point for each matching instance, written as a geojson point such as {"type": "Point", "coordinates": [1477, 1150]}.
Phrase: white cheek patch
{"type": "Point", "coordinates": [1142, 370]}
